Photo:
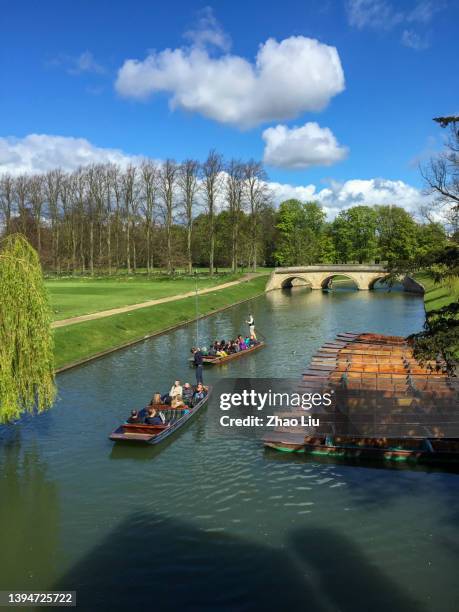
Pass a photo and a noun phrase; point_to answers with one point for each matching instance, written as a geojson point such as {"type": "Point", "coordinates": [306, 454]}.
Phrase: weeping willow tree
{"type": "Point", "coordinates": [26, 342]}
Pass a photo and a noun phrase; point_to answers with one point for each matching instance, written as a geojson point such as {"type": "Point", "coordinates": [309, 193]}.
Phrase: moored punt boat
{"type": "Point", "coordinates": [441, 451]}
{"type": "Point", "coordinates": [209, 360]}
{"type": "Point", "coordinates": [388, 406]}
{"type": "Point", "coordinates": [154, 434]}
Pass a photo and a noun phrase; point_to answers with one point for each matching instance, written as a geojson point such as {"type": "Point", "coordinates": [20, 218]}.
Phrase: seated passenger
{"type": "Point", "coordinates": [134, 418]}
{"type": "Point", "coordinates": [204, 350]}
{"type": "Point", "coordinates": [247, 341]}
{"type": "Point", "coordinates": [242, 344]}
{"type": "Point", "coordinates": [153, 418]}
{"type": "Point", "coordinates": [156, 399]}
{"type": "Point", "coordinates": [221, 353]}
{"type": "Point", "coordinates": [178, 402]}
{"type": "Point", "coordinates": [187, 394]}
{"type": "Point", "coordinates": [176, 389]}
{"type": "Point", "coordinates": [253, 340]}
{"type": "Point", "coordinates": [199, 394]}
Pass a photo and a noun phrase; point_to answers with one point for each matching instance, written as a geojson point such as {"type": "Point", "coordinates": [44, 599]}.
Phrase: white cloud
{"type": "Point", "coordinates": [413, 40]}
{"type": "Point", "coordinates": [43, 152]}
{"type": "Point", "coordinates": [208, 32]}
{"type": "Point", "coordinates": [383, 15]}
{"type": "Point", "coordinates": [376, 14]}
{"type": "Point", "coordinates": [301, 147]}
{"type": "Point", "coordinates": [354, 192]}
{"type": "Point", "coordinates": [289, 77]}
{"type": "Point", "coordinates": [83, 63]}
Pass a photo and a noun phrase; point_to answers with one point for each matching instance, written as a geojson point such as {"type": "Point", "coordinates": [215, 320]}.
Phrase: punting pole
{"type": "Point", "coordinates": [197, 309]}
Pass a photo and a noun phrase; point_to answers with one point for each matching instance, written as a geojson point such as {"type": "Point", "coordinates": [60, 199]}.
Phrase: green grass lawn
{"type": "Point", "coordinates": [75, 342]}
{"type": "Point", "coordinates": [438, 295]}
{"type": "Point", "coordinates": [74, 297]}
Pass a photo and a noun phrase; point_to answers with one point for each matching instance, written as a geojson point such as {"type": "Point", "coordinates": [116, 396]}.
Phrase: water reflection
{"type": "Point", "coordinates": [30, 520]}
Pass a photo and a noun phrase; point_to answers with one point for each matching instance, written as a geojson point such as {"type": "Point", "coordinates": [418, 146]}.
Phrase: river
{"type": "Point", "coordinates": [212, 520]}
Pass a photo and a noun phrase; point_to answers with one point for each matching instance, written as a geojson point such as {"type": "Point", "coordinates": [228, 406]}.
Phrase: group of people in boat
{"type": "Point", "coordinates": [179, 396]}
{"type": "Point", "coordinates": [229, 347]}
{"type": "Point", "coordinates": [223, 348]}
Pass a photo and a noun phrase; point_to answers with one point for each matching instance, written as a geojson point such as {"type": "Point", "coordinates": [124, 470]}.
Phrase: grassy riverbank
{"type": "Point", "coordinates": [438, 295]}
{"type": "Point", "coordinates": [76, 342]}
{"type": "Point", "coordinates": [72, 297]}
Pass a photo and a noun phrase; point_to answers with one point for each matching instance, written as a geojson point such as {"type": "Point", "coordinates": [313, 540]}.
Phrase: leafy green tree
{"type": "Point", "coordinates": [299, 226]}
{"type": "Point", "coordinates": [26, 342]}
{"type": "Point", "coordinates": [355, 234]}
{"type": "Point", "coordinates": [396, 232]}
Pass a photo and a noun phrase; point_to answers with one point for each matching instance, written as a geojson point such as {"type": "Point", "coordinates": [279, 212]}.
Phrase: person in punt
{"type": "Point", "coordinates": [178, 402]}
{"type": "Point", "coordinates": [176, 390]}
{"type": "Point", "coordinates": [153, 417]}
{"type": "Point", "coordinates": [199, 394]}
{"type": "Point", "coordinates": [134, 418]}
{"type": "Point", "coordinates": [187, 394]}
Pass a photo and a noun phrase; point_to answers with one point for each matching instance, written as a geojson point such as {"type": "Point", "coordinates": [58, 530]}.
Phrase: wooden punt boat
{"type": "Point", "coordinates": [209, 360]}
{"type": "Point", "coordinates": [154, 434]}
{"type": "Point", "coordinates": [440, 451]}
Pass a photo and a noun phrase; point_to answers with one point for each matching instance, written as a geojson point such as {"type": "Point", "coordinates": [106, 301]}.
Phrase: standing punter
{"type": "Point", "coordinates": [251, 323]}
{"type": "Point", "coordinates": [198, 361]}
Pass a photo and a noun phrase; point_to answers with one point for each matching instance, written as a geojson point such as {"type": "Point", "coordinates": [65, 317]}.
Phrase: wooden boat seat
{"type": "Point", "coordinates": [143, 428]}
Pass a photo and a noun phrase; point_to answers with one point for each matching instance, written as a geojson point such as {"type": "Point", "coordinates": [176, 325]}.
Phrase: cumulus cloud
{"type": "Point", "coordinates": [43, 152]}
{"type": "Point", "coordinates": [287, 78]}
{"type": "Point", "coordinates": [301, 147]}
{"type": "Point", "coordinates": [355, 192]}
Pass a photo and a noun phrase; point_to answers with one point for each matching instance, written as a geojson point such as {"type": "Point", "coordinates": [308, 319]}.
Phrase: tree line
{"type": "Point", "coordinates": [107, 218]}
{"type": "Point", "coordinates": [359, 234]}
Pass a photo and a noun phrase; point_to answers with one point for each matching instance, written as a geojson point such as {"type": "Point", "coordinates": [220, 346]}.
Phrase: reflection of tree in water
{"type": "Point", "coordinates": [29, 519]}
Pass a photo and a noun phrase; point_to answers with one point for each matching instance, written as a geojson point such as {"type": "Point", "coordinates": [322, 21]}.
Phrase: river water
{"type": "Point", "coordinates": [212, 520]}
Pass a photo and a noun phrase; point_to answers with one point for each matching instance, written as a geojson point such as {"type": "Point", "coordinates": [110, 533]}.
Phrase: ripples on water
{"type": "Point", "coordinates": [211, 520]}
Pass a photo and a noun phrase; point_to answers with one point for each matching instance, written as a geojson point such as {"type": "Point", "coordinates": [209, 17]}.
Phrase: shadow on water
{"type": "Point", "coordinates": [166, 564]}
{"type": "Point", "coordinates": [353, 583]}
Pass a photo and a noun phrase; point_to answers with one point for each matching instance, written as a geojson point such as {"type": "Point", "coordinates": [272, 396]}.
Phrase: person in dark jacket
{"type": "Point", "coordinates": [198, 362]}
{"type": "Point", "coordinates": [134, 418]}
{"type": "Point", "coordinates": [153, 418]}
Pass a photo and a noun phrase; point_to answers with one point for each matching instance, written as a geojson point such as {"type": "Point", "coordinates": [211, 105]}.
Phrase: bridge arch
{"type": "Point", "coordinates": [372, 283]}
{"type": "Point", "coordinates": [297, 280]}
{"type": "Point", "coordinates": [325, 284]}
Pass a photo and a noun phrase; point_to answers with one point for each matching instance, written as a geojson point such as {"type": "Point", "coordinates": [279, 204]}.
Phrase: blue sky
{"type": "Point", "coordinates": [61, 66]}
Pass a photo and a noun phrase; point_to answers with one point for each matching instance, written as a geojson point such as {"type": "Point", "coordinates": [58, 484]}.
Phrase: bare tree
{"type": "Point", "coordinates": [258, 196]}
{"type": "Point", "coordinates": [212, 173]}
{"type": "Point", "coordinates": [21, 187]}
{"type": "Point", "coordinates": [167, 185]}
{"type": "Point", "coordinates": [7, 199]}
{"type": "Point", "coordinates": [188, 182]}
{"type": "Point", "coordinates": [37, 199]}
{"type": "Point", "coordinates": [128, 188]}
{"type": "Point", "coordinates": [149, 177]}
{"type": "Point", "coordinates": [234, 197]}
{"type": "Point", "coordinates": [442, 172]}
{"type": "Point", "coordinates": [53, 186]}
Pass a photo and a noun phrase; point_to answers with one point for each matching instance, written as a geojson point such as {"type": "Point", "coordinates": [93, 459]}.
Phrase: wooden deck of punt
{"type": "Point", "coordinates": [220, 360]}
{"type": "Point", "coordinates": [154, 434]}
{"type": "Point", "coordinates": [367, 370]}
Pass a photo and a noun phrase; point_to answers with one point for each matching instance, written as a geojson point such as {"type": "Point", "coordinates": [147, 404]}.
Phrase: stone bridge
{"type": "Point", "coordinates": [319, 276]}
